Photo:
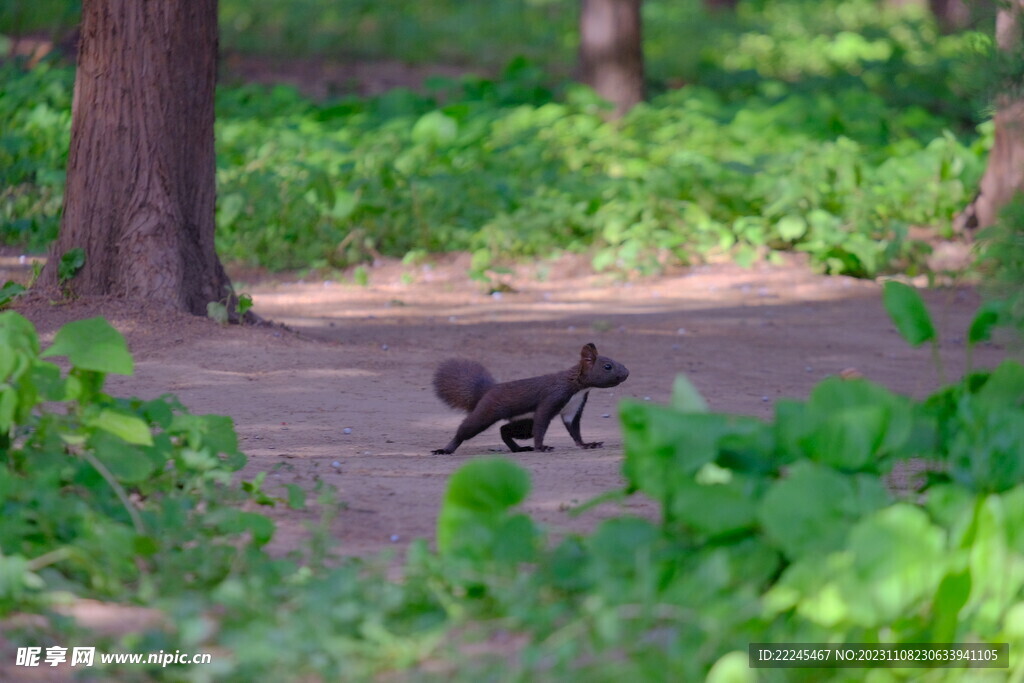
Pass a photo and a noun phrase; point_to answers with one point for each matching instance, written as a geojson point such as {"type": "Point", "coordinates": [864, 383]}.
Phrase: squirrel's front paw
{"type": "Point", "coordinates": [441, 451]}
{"type": "Point", "coordinates": [545, 449]}
{"type": "Point", "coordinates": [592, 444]}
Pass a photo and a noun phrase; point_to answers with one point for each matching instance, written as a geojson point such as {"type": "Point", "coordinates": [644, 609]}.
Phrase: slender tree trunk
{"type": "Point", "coordinates": [140, 180]}
{"type": "Point", "coordinates": [951, 15]}
{"type": "Point", "coordinates": [611, 51]}
{"type": "Point", "coordinates": [1004, 174]}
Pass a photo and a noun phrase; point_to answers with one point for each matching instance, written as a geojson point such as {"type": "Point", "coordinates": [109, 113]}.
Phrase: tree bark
{"type": "Point", "coordinates": [611, 51]}
{"type": "Point", "coordinates": [951, 15]}
{"type": "Point", "coordinates": [1004, 174]}
{"type": "Point", "coordinates": [141, 189]}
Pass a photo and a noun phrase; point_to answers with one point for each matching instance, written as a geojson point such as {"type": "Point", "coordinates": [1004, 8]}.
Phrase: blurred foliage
{"type": "Point", "coordinates": [828, 128]}
{"type": "Point", "coordinates": [1002, 261]}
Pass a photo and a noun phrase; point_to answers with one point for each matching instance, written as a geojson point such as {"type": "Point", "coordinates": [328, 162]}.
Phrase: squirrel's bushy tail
{"type": "Point", "coordinates": [460, 383]}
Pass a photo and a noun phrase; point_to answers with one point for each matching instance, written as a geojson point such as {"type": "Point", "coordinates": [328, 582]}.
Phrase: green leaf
{"type": "Point", "coordinates": [435, 127]}
{"type": "Point", "coordinates": [1004, 387]}
{"type": "Point", "coordinates": [478, 496]}
{"type": "Point", "coordinates": [908, 313]}
{"type": "Point", "coordinates": [898, 559]}
{"type": "Point", "coordinates": [713, 509]}
{"type": "Point", "coordinates": [296, 496]}
{"type": "Point", "coordinates": [811, 511]}
{"type": "Point", "coordinates": [686, 398]}
{"type": "Point", "coordinates": [92, 344]}
{"type": "Point", "coordinates": [791, 227]}
{"type": "Point", "coordinates": [71, 261]}
{"type": "Point", "coordinates": [16, 334]}
{"type": "Point", "coordinates": [127, 463]}
{"type": "Point", "coordinates": [950, 598]}
{"type": "Point", "coordinates": [732, 667]}
{"type": "Point", "coordinates": [232, 521]}
{"type": "Point", "coordinates": [244, 304]}
{"type": "Point", "coordinates": [984, 321]}
{"type": "Point", "coordinates": [130, 428]}
{"type": "Point", "coordinates": [488, 485]}
{"type": "Point", "coordinates": [10, 291]}
{"type": "Point", "coordinates": [218, 312]}
{"type": "Point", "coordinates": [848, 439]}
{"type": "Point", "coordinates": [849, 423]}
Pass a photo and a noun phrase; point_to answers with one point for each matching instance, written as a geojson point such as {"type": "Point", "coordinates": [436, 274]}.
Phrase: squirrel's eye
{"type": "Point", "coordinates": [607, 366]}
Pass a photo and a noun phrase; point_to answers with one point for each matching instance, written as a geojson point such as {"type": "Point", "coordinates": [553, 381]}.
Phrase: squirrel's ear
{"type": "Point", "coordinates": [589, 353]}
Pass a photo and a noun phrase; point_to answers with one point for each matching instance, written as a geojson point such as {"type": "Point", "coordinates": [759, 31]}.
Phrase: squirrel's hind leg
{"type": "Point", "coordinates": [517, 429]}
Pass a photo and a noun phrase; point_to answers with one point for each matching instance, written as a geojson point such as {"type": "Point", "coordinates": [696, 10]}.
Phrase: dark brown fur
{"type": "Point", "coordinates": [530, 404]}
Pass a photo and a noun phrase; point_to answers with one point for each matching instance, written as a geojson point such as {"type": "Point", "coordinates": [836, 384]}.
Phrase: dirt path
{"type": "Point", "coordinates": [366, 353]}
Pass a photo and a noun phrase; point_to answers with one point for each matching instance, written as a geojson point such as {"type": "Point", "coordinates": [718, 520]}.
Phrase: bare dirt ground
{"type": "Point", "coordinates": [361, 358]}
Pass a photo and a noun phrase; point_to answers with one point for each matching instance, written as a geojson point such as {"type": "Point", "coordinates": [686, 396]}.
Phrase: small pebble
{"type": "Point", "coordinates": [346, 430]}
{"type": "Point", "coordinates": [496, 295]}
{"type": "Point", "coordinates": [394, 538]}
{"type": "Point", "coordinates": [765, 399]}
{"type": "Point", "coordinates": [808, 368]}
{"type": "Point", "coordinates": [606, 415]}
{"type": "Point", "coordinates": [647, 398]}
{"type": "Point", "coordinates": [572, 328]}
{"type": "Point", "coordinates": [336, 464]}
{"type": "Point", "coordinates": [681, 331]}
{"type": "Point", "coordinates": [383, 347]}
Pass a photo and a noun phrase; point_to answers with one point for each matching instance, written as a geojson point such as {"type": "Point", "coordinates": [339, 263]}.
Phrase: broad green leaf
{"type": "Point", "coordinates": [17, 334]}
{"type": "Point", "coordinates": [488, 485]}
{"type": "Point", "coordinates": [732, 667]}
{"type": "Point", "coordinates": [233, 521]}
{"type": "Point", "coordinates": [1004, 387]}
{"type": "Point", "coordinates": [811, 510]}
{"type": "Point", "coordinates": [217, 312]}
{"type": "Point", "coordinates": [10, 291]}
{"type": "Point", "coordinates": [848, 439]}
{"type": "Point", "coordinates": [686, 398]}
{"type": "Point", "coordinates": [92, 344]}
{"type": "Point", "coordinates": [899, 558]}
{"type": "Point", "coordinates": [791, 227]}
{"type": "Point", "coordinates": [712, 509]}
{"type": "Point", "coordinates": [950, 598]}
{"type": "Point", "coordinates": [345, 204]}
{"type": "Point", "coordinates": [908, 312]}
{"type": "Point", "coordinates": [475, 507]}
{"type": "Point", "coordinates": [130, 428]}
{"type": "Point", "coordinates": [996, 569]}
{"type": "Point", "coordinates": [296, 496]}
{"type": "Point", "coordinates": [436, 128]}
{"type": "Point", "coordinates": [617, 542]}
{"type": "Point", "coordinates": [71, 261]}
{"type": "Point", "coordinates": [984, 321]}
{"type": "Point", "coordinates": [986, 447]}
{"type": "Point", "coordinates": [127, 463]}
{"type": "Point", "coordinates": [515, 540]}
{"type": "Point", "coordinates": [848, 423]}
{"type": "Point", "coordinates": [662, 443]}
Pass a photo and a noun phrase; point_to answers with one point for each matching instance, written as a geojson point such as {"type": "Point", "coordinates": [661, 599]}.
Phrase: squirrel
{"type": "Point", "coordinates": [529, 405]}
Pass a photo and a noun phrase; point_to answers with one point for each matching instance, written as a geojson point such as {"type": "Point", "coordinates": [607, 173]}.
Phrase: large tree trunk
{"type": "Point", "coordinates": [611, 51]}
{"type": "Point", "coordinates": [1004, 174]}
{"type": "Point", "coordinates": [140, 180]}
